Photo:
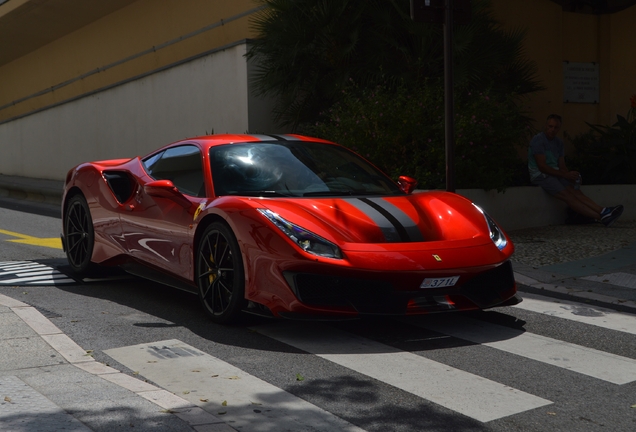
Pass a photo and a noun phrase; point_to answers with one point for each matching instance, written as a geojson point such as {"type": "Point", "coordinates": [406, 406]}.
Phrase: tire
{"type": "Point", "coordinates": [79, 235]}
{"type": "Point", "coordinates": [220, 274]}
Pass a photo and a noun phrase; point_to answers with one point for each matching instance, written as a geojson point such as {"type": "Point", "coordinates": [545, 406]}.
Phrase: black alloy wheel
{"type": "Point", "coordinates": [220, 275]}
{"type": "Point", "coordinates": [79, 235]}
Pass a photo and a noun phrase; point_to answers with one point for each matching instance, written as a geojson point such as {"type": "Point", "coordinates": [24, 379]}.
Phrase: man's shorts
{"type": "Point", "coordinates": [554, 185]}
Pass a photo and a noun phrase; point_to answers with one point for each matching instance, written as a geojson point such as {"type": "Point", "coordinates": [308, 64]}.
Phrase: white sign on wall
{"type": "Point", "coordinates": [580, 82]}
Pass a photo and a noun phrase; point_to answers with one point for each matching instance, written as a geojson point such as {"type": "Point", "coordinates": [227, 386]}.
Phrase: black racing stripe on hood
{"type": "Point", "coordinates": [401, 231]}
{"type": "Point", "coordinates": [411, 227]}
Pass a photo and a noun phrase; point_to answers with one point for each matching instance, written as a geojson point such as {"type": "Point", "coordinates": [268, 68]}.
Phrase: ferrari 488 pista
{"type": "Point", "coordinates": [286, 226]}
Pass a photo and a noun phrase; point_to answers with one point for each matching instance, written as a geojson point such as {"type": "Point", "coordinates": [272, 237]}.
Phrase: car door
{"type": "Point", "coordinates": [158, 227]}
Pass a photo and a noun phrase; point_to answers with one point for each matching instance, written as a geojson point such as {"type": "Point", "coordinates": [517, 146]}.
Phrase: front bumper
{"type": "Point", "coordinates": [357, 296]}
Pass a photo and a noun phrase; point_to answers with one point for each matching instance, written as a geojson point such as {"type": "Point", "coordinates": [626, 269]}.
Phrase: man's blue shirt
{"type": "Point", "coordinates": [552, 149]}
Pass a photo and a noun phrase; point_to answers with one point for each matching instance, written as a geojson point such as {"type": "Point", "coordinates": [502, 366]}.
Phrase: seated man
{"type": "Point", "coordinates": [546, 163]}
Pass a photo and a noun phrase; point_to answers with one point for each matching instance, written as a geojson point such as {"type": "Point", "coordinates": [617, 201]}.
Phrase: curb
{"type": "Point", "coordinates": [575, 294]}
{"type": "Point", "coordinates": [35, 190]}
{"type": "Point", "coordinates": [193, 415]}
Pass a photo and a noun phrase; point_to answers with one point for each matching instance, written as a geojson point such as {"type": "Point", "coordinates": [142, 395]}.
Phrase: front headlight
{"type": "Point", "coordinates": [306, 240]}
{"type": "Point", "coordinates": [496, 234]}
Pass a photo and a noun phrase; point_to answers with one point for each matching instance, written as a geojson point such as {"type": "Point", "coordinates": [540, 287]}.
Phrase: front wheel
{"type": "Point", "coordinates": [80, 236]}
{"type": "Point", "coordinates": [220, 275]}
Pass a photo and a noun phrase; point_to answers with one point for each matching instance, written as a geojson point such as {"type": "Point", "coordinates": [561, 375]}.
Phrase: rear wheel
{"type": "Point", "coordinates": [220, 274]}
{"type": "Point", "coordinates": [80, 236]}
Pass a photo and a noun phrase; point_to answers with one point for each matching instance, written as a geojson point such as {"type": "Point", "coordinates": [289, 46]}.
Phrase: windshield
{"type": "Point", "coordinates": [295, 169]}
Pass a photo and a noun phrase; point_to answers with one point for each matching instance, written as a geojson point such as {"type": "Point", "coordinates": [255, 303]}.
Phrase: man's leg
{"type": "Point", "coordinates": [573, 200]}
{"type": "Point", "coordinates": [608, 214]}
{"type": "Point", "coordinates": [585, 200]}
{"type": "Point", "coordinates": [563, 190]}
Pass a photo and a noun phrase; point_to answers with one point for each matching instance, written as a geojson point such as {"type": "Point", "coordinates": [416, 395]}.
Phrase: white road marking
{"type": "Point", "coordinates": [573, 311]}
{"type": "Point", "coordinates": [55, 278]}
{"type": "Point", "coordinates": [619, 279]}
{"type": "Point", "coordinates": [10, 263]}
{"type": "Point", "coordinates": [47, 271]}
{"type": "Point", "coordinates": [26, 266]}
{"type": "Point", "coordinates": [463, 392]}
{"type": "Point", "coordinates": [251, 403]}
{"type": "Point", "coordinates": [38, 281]}
{"type": "Point", "coordinates": [31, 273]}
{"type": "Point", "coordinates": [583, 360]}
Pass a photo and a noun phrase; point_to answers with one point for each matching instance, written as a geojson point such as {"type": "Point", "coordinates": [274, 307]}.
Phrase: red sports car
{"type": "Point", "coordinates": [287, 226]}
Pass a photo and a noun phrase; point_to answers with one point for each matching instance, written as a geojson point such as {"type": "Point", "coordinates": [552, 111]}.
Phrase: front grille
{"type": "Point", "coordinates": [330, 290]}
{"type": "Point", "coordinates": [486, 289]}
{"type": "Point", "coordinates": [364, 295]}
{"type": "Point", "coordinates": [379, 297]}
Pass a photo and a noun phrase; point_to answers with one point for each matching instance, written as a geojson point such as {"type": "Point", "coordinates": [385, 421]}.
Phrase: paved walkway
{"type": "Point", "coordinates": [48, 383]}
{"type": "Point", "coordinates": [588, 262]}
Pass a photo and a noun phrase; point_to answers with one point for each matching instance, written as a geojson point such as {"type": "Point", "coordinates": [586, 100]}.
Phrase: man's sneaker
{"type": "Point", "coordinates": [609, 218]}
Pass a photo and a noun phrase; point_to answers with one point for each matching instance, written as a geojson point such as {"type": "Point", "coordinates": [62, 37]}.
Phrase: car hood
{"type": "Point", "coordinates": [421, 217]}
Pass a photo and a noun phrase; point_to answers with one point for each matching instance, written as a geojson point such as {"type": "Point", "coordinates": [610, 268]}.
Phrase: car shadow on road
{"type": "Point", "coordinates": [176, 308]}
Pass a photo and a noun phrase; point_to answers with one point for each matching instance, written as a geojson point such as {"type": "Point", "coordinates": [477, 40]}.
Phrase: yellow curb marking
{"type": "Point", "coordinates": [54, 243]}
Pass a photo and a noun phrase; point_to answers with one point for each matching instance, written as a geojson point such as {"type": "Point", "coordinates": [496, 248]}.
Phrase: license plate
{"type": "Point", "coordinates": [439, 282]}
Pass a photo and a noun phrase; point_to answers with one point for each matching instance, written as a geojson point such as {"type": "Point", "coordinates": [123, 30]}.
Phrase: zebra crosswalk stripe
{"type": "Point", "coordinates": [50, 279]}
{"type": "Point", "coordinates": [586, 361]}
{"type": "Point", "coordinates": [31, 273]}
{"type": "Point", "coordinates": [444, 385]}
{"type": "Point", "coordinates": [38, 272]}
{"type": "Point", "coordinates": [20, 266]}
{"type": "Point", "coordinates": [593, 315]}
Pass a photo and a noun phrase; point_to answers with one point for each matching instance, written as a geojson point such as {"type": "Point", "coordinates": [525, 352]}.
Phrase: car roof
{"type": "Point", "coordinates": [205, 142]}
{"type": "Point", "coordinates": [212, 140]}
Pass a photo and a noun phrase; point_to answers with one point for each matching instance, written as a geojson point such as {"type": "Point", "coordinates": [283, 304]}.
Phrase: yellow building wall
{"type": "Point", "coordinates": [542, 20]}
{"type": "Point", "coordinates": [142, 26]}
{"type": "Point", "coordinates": [623, 61]}
{"type": "Point", "coordinates": [581, 43]}
{"type": "Point", "coordinates": [554, 36]}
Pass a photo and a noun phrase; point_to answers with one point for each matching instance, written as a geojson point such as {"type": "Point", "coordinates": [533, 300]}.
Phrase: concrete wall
{"type": "Point", "coordinates": [530, 206]}
{"type": "Point", "coordinates": [142, 36]}
{"type": "Point", "coordinates": [135, 118]}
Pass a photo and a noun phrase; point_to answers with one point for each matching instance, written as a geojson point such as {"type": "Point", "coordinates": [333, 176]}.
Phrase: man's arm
{"type": "Point", "coordinates": [570, 175]}
{"type": "Point", "coordinates": [561, 172]}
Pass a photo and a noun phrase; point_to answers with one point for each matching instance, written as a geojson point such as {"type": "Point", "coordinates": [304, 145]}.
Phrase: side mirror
{"type": "Point", "coordinates": [407, 184]}
{"type": "Point", "coordinates": [166, 189]}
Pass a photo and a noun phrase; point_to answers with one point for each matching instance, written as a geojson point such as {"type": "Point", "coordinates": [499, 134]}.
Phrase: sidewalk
{"type": "Point", "coordinates": [48, 383]}
{"type": "Point", "coordinates": [587, 263]}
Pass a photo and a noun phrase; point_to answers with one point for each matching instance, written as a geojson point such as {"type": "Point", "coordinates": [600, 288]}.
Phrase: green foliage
{"type": "Point", "coordinates": [307, 50]}
{"type": "Point", "coordinates": [607, 154]}
{"type": "Point", "coordinates": [401, 130]}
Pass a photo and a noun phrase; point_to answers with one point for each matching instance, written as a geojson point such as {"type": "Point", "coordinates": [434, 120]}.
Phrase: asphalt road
{"type": "Point", "coordinates": [501, 370]}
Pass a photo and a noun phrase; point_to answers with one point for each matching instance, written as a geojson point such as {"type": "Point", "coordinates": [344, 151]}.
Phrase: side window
{"type": "Point", "coordinates": [181, 165]}
{"type": "Point", "coordinates": [150, 162]}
